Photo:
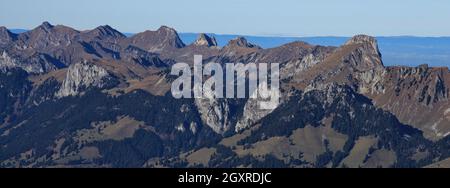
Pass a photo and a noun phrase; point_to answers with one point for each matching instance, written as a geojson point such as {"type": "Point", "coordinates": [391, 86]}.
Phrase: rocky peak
{"type": "Point", "coordinates": [169, 34]}
{"type": "Point", "coordinates": [238, 47]}
{"type": "Point", "coordinates": [46, 26]}
{"type": "Point", "coordinates": [205, 40]}
{"type": "Point", "coordinates": [80, 76]}
{"type": "Point", "coordinates": [368, 42]}
{"type": "Point", "coordinates": [6, 36]}
{"type": "Point", "coordinates": [167, 29]}
{"type": "Point", "coordinates": [365, 64]}
{"type": "Point", "coordinates": [3, 29]}
{"type": "Point", "coordinates": [47, 37]}
{"type": "Point", "coordinates": [361, 53]}
{"type": "Point", "coordinates": [156, 41]}
{"type": "Point", "coordinates": [106, 31]}
{"type": "Point", "coordinates": [241, 42]}
{"type": "Point", "coordinates": [357, 63]}
{"type": "Point", "coordinates": [362, 39]}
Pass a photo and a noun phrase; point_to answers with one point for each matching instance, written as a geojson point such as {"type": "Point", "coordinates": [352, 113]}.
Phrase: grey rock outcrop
{"type": "Point", "coordinates": [252, 114]}
{"type": "Point", "coordinates": [241, 42]}
{"type": "Point", "coordinates": [6, 36]}
{"type": "Point", "coordinates": [205, 40]}
{"type": "Point", "coordinates": [36, 63]}
{"type": "Point", "coordinates": [80, 76]}
{"type": "Point", "coordinates": [370, 42]}
{"type": "Point", "coordinates": [214, 113]}
{"type": "Point", "coordinates": [366, 59]}
{"type": "Point", "coordinates": [103, 32]}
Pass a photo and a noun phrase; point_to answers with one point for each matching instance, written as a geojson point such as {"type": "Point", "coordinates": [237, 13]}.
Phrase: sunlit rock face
{"type": "Point", "coordinates": [81, 76]}
{"type": "Point", "coordinates": [205, 40]}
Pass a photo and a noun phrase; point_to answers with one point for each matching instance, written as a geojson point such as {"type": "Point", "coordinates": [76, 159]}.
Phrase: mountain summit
{"type": "Point", "coordinates": [46, 25]}
{"type": "Point", "coordinates": [241, 42]}
{"type": "Point", "coordinates": [205, 40]}
{"type": "Point", "coordinates": [365, 40]}
{"type": "Point", "coordinates": [105, 31]}
{"type": "Point", "coordinates": [155, 41]}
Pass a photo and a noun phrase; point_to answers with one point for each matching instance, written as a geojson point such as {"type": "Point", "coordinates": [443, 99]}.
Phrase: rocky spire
{"type": "Point", "coordinates": [370, 43]}
{"type": "Point", "coordinates": [171, 35]}
{"type": "Point", "coordinates": [205, 40]}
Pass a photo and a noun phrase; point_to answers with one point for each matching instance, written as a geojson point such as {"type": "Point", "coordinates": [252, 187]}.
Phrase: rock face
{"type": "Point", "coordinates": [251, 115]}
{"type": "Point", "coordinates": [103, 32]}
{"type": "Point", "coordinates": [156, 41]}
{"type": "Point", "coordinates": [363, 53]}
{"type": "Point", "coordinates": [241, 42]}
{"type": "Point", "coordinates": [357, 63]}
{"type": "Point", "coordinates": [368, 64]}
{"type": "Point", "coordinates": [215, 113]}
{"type": "Point", "coordinates": [365, 40]}
{"type": "Point", "coordinates": [147, 59]}
{"type": "Point", "coordinates": [80, 76]}
{"type": "Point", "coordinates": [6, 61]}
{"type": "Point", "coordinates": [304, 62]}
{"type": "Point", "coordinates": [36, 63]}
{"type": "Point", "coordinates": [418, 96]}
{"type": "Point", "coordinates": [205, 40]}
{"type": "Point", "coordinates": [6, 36]}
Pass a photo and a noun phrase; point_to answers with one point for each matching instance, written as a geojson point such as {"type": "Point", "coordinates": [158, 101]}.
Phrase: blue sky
{"type": "Point", "coordinates": [249, 17]}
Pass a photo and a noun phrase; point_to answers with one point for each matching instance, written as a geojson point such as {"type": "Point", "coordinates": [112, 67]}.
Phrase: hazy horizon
{"type": "Point", "coordinates": [256, 18]}
{"type": "Point", "coordinates": [20, 30]}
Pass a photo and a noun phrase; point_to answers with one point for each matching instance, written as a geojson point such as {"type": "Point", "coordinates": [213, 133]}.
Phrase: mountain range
{"type": "Point", "coordinates": [99, 98]}
{"type": "Point", "coordinates": [396, 50]}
